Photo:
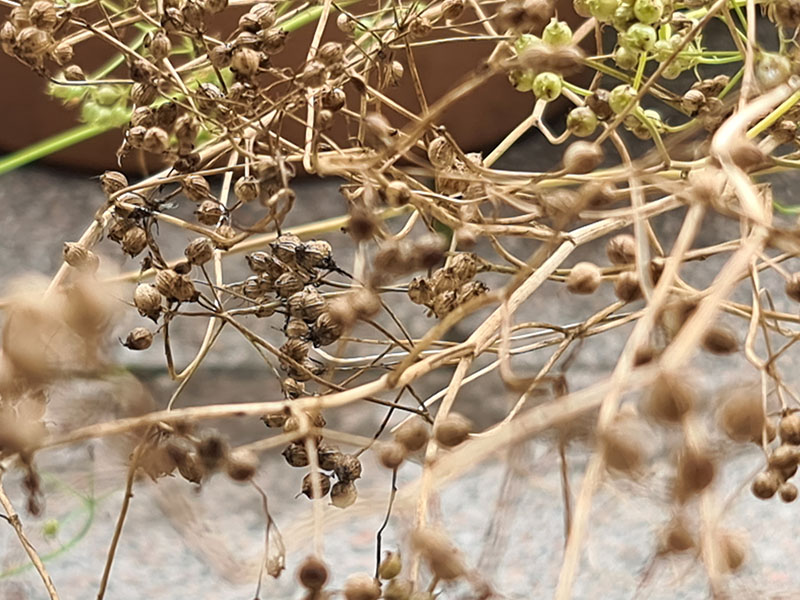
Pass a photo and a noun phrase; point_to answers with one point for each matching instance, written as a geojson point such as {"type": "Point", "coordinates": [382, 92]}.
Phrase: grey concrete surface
{"type": "Point", "coordinates": [505, 515]}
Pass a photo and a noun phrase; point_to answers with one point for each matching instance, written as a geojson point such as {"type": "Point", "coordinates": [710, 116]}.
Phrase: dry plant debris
{"type": "Point", "coordinates": [663, 119]}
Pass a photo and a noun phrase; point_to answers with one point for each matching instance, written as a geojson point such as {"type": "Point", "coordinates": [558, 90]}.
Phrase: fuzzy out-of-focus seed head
{"type": "Point", "coordinates": [671, 398]}
{"type": "Point", "coordinates": [391, 454]}
{"type": "Point", "coordinates": [452, 430]}
{"type": "Point", "coordinates": [584, 278]}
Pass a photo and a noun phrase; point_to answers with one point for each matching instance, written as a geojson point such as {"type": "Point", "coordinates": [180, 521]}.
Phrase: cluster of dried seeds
{"type": "Point", "coordinates": [450, 286]}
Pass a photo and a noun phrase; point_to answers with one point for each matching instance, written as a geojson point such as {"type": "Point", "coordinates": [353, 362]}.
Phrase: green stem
{"type": "Point", "coordinates": [50, 145]}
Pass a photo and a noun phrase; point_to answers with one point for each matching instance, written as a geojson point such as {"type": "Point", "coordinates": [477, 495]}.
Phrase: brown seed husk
{"type": "Point", "coordinates": [765, 484]}
{"type": "Point", "coordinates": [789, 429]}
{"type": "Point", "coordinates": [241, 465]}
{"type": "Point", "coordinates": [741, 416]}
{"type": "Point", "coordinates": [413, 434]}
{"type": "Point", "coordinates": [442, 557]}
{"type": "Point", "coordinates": [312, 573]}
{"type": "Point", "coordinates": [452, 430]}
{"type": "Point", "coordinates": [362, 587]}
{"type": "Point", "coordinates": [696, 470]}
{"type": "Point", "coordinates": [343, 494]}
{"type": "Point", "coordinates": [391, 454]}
{"type": "Point", "coordinates": [671, 398]}
{"type": "Point", "coordinates": [584, 278]}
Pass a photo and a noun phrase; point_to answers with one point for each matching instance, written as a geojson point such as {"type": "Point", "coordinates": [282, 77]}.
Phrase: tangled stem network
{"type": "Point", "coordinates": [672, 108]}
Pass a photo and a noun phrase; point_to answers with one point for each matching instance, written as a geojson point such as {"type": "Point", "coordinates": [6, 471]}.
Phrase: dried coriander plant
{"type": "Point", "coordinates": [663, 120]}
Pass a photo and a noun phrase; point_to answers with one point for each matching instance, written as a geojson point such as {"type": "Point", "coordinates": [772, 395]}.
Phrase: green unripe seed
{"type": "Point", "coordinates": [547, 86]}
{"type": "Point", "coordinates": [621, 97]}
{"type": "Point", "coordinates": [662, 50]}
{"type": "Point", "coordinates": [603, 10]}
{"type": "Point", "coordinates": [557, 33]}
{"type": "Point", "coordinates": [648, 11]}
{"type": "Point", "coordinates": [641, 37]}
{"type": "Point", "coordinates": [521, 80]}
{"type": "Point", "coordinates": [626, 58]}
{"type": "Point", "coordinates": [106, 95]}
{"type": "Point", "coordinates": [119, 116]}
{"type": "Point", "coordinates": [526, 41]}
{"type": "Point", "coordinates": [581, 121]}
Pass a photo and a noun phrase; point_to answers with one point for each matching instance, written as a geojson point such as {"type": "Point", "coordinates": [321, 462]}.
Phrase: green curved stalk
{"type": "Point", "coordinates": [50, 145]}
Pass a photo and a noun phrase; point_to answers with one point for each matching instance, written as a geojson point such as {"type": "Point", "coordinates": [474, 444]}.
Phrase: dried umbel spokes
{"type": "Point", "coordinates": [525, 264]}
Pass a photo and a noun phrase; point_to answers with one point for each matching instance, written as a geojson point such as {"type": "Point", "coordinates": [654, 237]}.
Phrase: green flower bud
{"type": "Point", "coordinates": [626, 58]}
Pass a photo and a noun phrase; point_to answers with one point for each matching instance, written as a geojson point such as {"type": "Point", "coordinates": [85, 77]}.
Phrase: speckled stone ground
{"type": "Point", "coordinates": [505, 514]}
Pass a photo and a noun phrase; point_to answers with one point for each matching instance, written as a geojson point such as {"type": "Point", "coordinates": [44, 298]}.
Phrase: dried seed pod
{"type": "Point", "coordinates": [390, 566]}
{"type": "Point", "coordinates": [156, 140]}
{"type": "Point", "coordinates": [159, 45]}
{"type": "Point", "coordinates": [441, 153]}
{"type": "Point", "coordinates": [692, 101]}
{"type": "Point", "coordinates": [582, 157]}
{"type": "Point", "coordinates": [249, 22]}
{"type": "Point", "coordinates": [720, 340]}
{"type": "Point", "coordinates": [296, 455]}
{"type": "Point", "coordinates": [397, 193]}
{"type": "Point", "coordinates": [245, 61]}
{"type": "Point", "coordinates": [732, 549]}
{"type": "Point", "coordinates": [326, 330]}
{"type": "Point", "coordinates": [333, 99]}
{"type": "Point", "coordinates": [789, 428]}
{"type": "Point", "coordinates": [696, 471]}
{"type": "Point", "coordinates": [175, 286]}
{"type": "Point", "coordinates": [142, 93]}
{"type": "Point", "coordinates": [147, 300]}
{"type": "Point", "coordinates": [442, 557]}
{"type": "Point", "coordinates": [444, 303]}
{"type": "Point", "coordinates": [285, 248]}
{"type": "Point", "coordinates": [308, 488]}
{"type": "Point", "coordinates": [391, 454]}
{"type": "Point", "coordinates": [288, 284]}
{"type": "Point", "coordinates": [220, 56]}
{"type": "Point", "coordinates": [42, 14]}
{"type": "Point", "coordinates": [398, 589]}
{"type": "Point", "coordinates": [256, 287]}
{"type": "Point", "coordinates": [788, 492]}
{"type": "Point", "coordinates": [80, 257]}
{"type": "Point", "coordinates": [215, 6]}
{"type": "Point", "coordinates": [330, 53]}
{"type": "Point", "coordinates": [621, 249]}
{"type": "Point", "coordinates": [273, 41]}
{"type": "Point", "coordinates": [241, 464]}
{"type": "Point", "coordinates": [328, 457]}
{"type": "Point", "coordinates": [765, 484]}
{"type": "Point", "coordinates": [343, 494]}
{"type": "Point", "coordinates": [346, 24]}
{"type": "Point", "coordinates": [623, 447]}
{"type": "Point", "coordinates": [313, 74]}
{"type": "Point", "coordinates": [452, 9]}
{"type": "Point", "coordinates": [314, 254]}
{"type": "Point", "coordinates": [247, 189]}
{"type": "Point", "coordinates": [307, 304]}
{"type": "Point", "coordinates": [626, 286]}
{"type": "Point", "coordinates": [784, 456]}
{"type": "Point", "coordinates": [112, 182]}
{"type": "Point", "coordinates": [134, 241]}
{"type": "Point", "coordinates": [742, 417]}
{"type": "Point", "coordinates": [62, 53]}
{"type": "Point", "coordinates": [138, 339]}
{"type": "Point", "coordinates": [584, 278]}
{"type": "Point", "coordinates": [348, 468]}
{"type": "Point", "coordinates": [196, 188]}
{"type": "Point", "coordinates": [464, 266]}
{"type": "Point", "coordinates": [265, 13]}
{"type": "Point", "coordinates": [452, 430]}
{"type": "Point", "coordinates": [671, 398]}
{"type": "Point", "coordinates": [199, 251]}
{"type": "Point", "coordinates": [262, 262]}
{"type": "Point", "coordinates": [362, 587]}
{"type": "Point", "coordinates": [296, 328]}
{"type": "Point", "coordinates": [419, 27]}
{"type": "Point", "coordinates": [793, 286]}
{"type": "Point", "coordinates": [142, 116]}
{"type": "Point", "coordinates": [32, 41]}
{"type": "Point", "coordinates": [413, 434]}
{"type": "Point", "coordinates": [312, 573]}
{"type": "Point", "coordinates": [295, 349]}
{"type": "Point", "coordinates": [209, 212]}
{"type": "Point", "coordinates": [420, 291]}
{"type": "Point", "coordinates": [212, 450]}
